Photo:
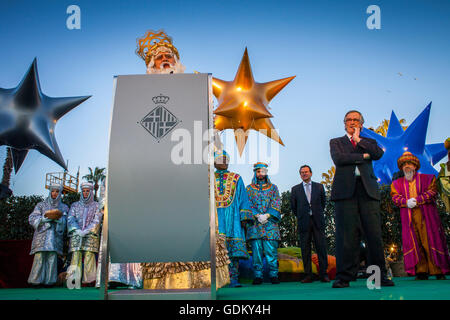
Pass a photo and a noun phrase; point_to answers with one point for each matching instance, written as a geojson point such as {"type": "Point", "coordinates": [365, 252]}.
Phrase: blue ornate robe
{"type": "Point", "coordinates": [232, 208]}
{"type": "Point", "coordinates": [264, 198]}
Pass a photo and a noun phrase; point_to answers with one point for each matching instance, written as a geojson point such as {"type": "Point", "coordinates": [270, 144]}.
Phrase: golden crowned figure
{"type": "Point", "coordinates": [158, 52]}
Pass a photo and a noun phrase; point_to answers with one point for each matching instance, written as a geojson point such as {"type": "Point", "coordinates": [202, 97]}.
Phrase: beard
{"type": "Point", "coordinates": [409, 175]}
{"type": "Point", "coordinates": [177, 67]}
{"type": "Point", "coordinates": [262, 179]}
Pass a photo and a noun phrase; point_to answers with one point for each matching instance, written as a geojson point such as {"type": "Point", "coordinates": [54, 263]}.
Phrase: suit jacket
{"type": "Point", "coordinates": [301, 207]}
{"type": "Point", "coordinates": [346, 158]}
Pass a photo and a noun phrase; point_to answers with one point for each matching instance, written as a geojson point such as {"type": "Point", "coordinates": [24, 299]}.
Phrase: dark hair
{"type": "Point", "coordinates": [305, 166]}
{"type": "Point", "coordinates": [351, 111]}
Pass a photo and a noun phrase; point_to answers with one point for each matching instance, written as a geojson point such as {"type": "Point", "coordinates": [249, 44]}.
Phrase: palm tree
{"type": "Point", "coordinates": [7, 168]}
{"type": "Point", "coordinates": [383, 127]}
{"type": "Point", "coordinates": [95, 176]}
{"type": "Point", "coordinates": [5, 191]}
{"type": "Point", "coordinates": [328, 178]}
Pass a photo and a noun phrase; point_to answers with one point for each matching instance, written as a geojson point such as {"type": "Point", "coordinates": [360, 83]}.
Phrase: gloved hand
{"type": "Point", "coordinates": [84, 232]}
{"type": "Point", "coordinates": [264, 218]}
{"type": "Point", "coordinates": [411, 203]}
{"type": "Point", "coordinates": [260, 218]}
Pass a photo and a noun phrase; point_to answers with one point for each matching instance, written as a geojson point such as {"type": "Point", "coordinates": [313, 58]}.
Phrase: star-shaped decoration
{"type": "Point", "coordinates": [243, 104]}
{"type": "Point", "coordinates": [397, 141]}
{"type": "Point", "coordinates": [28, 118]}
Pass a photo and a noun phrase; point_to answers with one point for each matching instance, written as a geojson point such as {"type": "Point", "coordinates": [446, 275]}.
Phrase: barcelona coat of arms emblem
{"type": "Point", "coordinates": [160, 121]}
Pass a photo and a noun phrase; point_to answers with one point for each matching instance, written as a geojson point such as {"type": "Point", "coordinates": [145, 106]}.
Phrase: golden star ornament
{"type": "Point", "coordinates": [243, 104]}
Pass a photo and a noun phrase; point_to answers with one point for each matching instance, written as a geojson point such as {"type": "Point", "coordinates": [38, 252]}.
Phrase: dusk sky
{"type": "Point", "coordinates": [338, 62]}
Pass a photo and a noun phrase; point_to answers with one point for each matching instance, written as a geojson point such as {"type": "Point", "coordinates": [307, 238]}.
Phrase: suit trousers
{"type": "Point", "coordinates": [360, 211]}
{"type": "Point", "coordinates": [318, 236]}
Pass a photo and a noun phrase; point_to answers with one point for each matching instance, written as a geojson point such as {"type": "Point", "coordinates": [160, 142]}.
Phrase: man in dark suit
{"type": "Point", "coordinates": [357, 200]}
{"type": "Point", "coordinates": [308, 203]}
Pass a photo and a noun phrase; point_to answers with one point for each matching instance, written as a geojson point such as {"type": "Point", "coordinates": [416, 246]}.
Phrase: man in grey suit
{"type": "Point", "coordinates": [308, 203]}
{"type": "Point", "coordinates": [357, 200]}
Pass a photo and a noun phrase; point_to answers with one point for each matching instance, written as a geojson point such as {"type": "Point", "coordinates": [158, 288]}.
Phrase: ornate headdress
{"type": "Point", "coordinates": [87, 185]}
{"type": "Point", "coordinates": [154, 42]}
{"type": "Point", "coordinates": [54, 202]}
{"type": "Point", "coordinates": [260, 165]}
{"type": "Point", "coordinates": [90, 198]}
{"type": "Point", "coordinates": [408, 157]}
{"type": "Point", "coordinates": [260, 184]}
{"type": "Point", "coordinates": [221, 153]}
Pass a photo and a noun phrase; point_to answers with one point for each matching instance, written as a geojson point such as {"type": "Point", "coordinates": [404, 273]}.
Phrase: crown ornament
{"type": "Point", "coordinates": [147, 45]}
{"type": "Point", "coordinates": [160, 99]}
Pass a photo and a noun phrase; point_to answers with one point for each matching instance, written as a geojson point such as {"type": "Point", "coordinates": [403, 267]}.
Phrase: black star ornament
{"type": "Point", "coordinates": [28, 118]}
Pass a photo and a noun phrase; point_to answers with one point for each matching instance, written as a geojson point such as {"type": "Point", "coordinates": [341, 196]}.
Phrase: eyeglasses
{"type": "Point", "coordinates": [161, 56]}
{"type": "Point", "coordinates": [352, 119]}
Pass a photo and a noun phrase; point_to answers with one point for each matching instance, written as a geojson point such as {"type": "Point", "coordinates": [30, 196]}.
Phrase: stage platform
{"type": "Point", "coordinates": [406, 289]}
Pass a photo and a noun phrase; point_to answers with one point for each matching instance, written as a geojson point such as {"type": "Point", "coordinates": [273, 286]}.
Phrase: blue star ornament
{"type": "Point", "coordinates": [397, 141]}
{"type": "Point", "coordinates": [28, 118]}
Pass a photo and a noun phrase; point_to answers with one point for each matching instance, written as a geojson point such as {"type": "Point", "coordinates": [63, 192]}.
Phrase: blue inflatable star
{"type": "Point", "coordinates": [28, 118]}
{"type": "Point", "coordinates": [398, 141]}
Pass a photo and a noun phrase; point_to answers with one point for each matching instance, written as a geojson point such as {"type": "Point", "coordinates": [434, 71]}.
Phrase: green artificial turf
{"type": "Point", "coordinates": [50, 294]}
{"type": "Point", "coordinates": [405, 289]}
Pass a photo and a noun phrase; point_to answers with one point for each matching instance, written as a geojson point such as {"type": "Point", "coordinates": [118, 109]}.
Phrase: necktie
{"type": "Point", "coordinates": [308, 192]}
{"type": "Point", "coordinates": [353, 142]}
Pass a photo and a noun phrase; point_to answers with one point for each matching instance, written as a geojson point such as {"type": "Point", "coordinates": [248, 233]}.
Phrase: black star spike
{"type": "Point", "coordinates": [28, 118]}
{"type": "Point", "coordinates": [18, 156]}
